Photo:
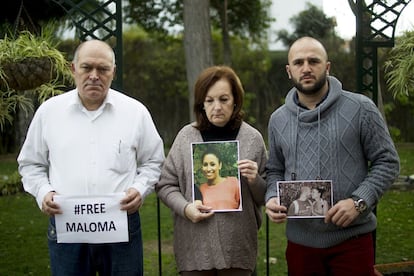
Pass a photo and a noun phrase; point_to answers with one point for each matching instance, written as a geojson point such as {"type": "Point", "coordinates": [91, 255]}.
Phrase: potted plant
{"type": "Point", "coordinates": [30, 63]}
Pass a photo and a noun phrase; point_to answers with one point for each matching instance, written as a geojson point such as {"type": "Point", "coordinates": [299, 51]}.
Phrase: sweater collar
{"type": "Point", "coordinates": [312, 116]}
{"type": "Point", "coordinates": [296, 99]}
{"type": "Point", "coordinates": [306, 115]}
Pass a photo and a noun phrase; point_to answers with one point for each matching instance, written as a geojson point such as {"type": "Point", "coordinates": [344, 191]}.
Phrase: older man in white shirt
{"type": "Point", "coordinates": [92, 140]}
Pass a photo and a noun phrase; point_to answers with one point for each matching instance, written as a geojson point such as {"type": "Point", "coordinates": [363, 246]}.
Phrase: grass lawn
{"type": "Point", "coordinates": [23, 248]}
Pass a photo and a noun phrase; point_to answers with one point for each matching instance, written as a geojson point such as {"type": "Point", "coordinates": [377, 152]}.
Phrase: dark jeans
{"type": "Point", "coordinates": [82, 259]}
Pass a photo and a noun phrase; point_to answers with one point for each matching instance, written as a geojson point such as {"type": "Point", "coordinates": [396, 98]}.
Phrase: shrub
{"type": "Point", "coordinates": [11, 184]}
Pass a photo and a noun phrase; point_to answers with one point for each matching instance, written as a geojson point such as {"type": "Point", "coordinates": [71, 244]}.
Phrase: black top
{"type": "Point", "coordinates": [215, 133]}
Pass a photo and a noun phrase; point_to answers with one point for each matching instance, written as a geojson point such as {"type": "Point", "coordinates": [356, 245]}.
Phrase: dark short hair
{"type": "Point", "coordinates": [211, 150]}
{"type": "Point", "coordinates": [208, 78]}
{"type": "Point", "coordinates": [321, 190]}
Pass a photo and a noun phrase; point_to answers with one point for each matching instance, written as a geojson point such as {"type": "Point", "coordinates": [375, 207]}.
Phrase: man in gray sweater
{"type": "Point", "coordinates": [324, 132]}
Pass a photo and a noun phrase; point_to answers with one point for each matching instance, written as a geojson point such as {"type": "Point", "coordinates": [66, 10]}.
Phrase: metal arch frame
{"type": "Point", "coordinates": [101, 20]}
{"type": "Point", "coordinates": [375, 27]}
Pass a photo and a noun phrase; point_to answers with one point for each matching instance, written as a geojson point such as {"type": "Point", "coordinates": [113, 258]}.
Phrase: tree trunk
{"type": "Point", "coordinates": [225, 34]}
{"type": "Point", "coordinates": [197, 43]}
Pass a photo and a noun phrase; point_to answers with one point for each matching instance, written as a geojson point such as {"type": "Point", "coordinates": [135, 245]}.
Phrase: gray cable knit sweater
{"type": "Point", "coordinates": [344, 140]}
{"type": "Point", "coordinates": [226, 240]}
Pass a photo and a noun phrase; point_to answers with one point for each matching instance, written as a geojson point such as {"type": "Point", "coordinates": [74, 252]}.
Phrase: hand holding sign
{"type": "Point", "coordinates": [87, 219]}
{"type": "Point", "coordinates": [49, 207]}
{"type": "Point", "coordinates": [132, 201]}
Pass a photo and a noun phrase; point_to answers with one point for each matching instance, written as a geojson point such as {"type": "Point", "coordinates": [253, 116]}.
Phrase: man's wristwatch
{"type": "Point", "coordinates": [360, 205]}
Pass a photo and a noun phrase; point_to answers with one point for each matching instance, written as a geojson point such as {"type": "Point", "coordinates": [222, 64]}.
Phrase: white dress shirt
{"type": "Point", "coordinates": [73, 151]}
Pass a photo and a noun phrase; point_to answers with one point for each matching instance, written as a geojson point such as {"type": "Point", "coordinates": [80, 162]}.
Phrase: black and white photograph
{"type": "Point", "coordinates": [305, 199]}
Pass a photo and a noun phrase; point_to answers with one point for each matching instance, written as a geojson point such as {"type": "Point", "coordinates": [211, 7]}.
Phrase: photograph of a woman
{"type": "Point", "coordinates": [320, 206]}
{"type": "Point", "coordinates": [216, 175]}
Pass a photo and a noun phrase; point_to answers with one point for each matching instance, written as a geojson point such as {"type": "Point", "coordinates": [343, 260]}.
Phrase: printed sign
{"type": "Point", "coordinates": [91, 219]}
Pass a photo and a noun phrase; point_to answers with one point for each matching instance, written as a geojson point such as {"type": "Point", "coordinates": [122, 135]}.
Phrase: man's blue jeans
{"type": "Point", "coordinates": [81, 259]}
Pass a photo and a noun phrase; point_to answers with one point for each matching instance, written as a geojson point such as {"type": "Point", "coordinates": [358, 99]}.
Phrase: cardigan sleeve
{"type": "Point", "coordinates": [275, 167]}
{"type": "Point", "coordinates": [256, 152]}
{"type": "Point", "coordinates": [169, 188]}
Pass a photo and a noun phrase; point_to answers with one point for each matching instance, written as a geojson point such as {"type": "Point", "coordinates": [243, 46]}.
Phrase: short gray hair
{"type": "Point", "coordinates": [76, 54]}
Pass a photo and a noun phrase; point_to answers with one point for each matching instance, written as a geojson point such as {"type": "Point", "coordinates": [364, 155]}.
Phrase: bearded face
{"type": "Point", "coordinates": [308, 67]}
{"type": "Point", "coordinates": [310, 88]}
